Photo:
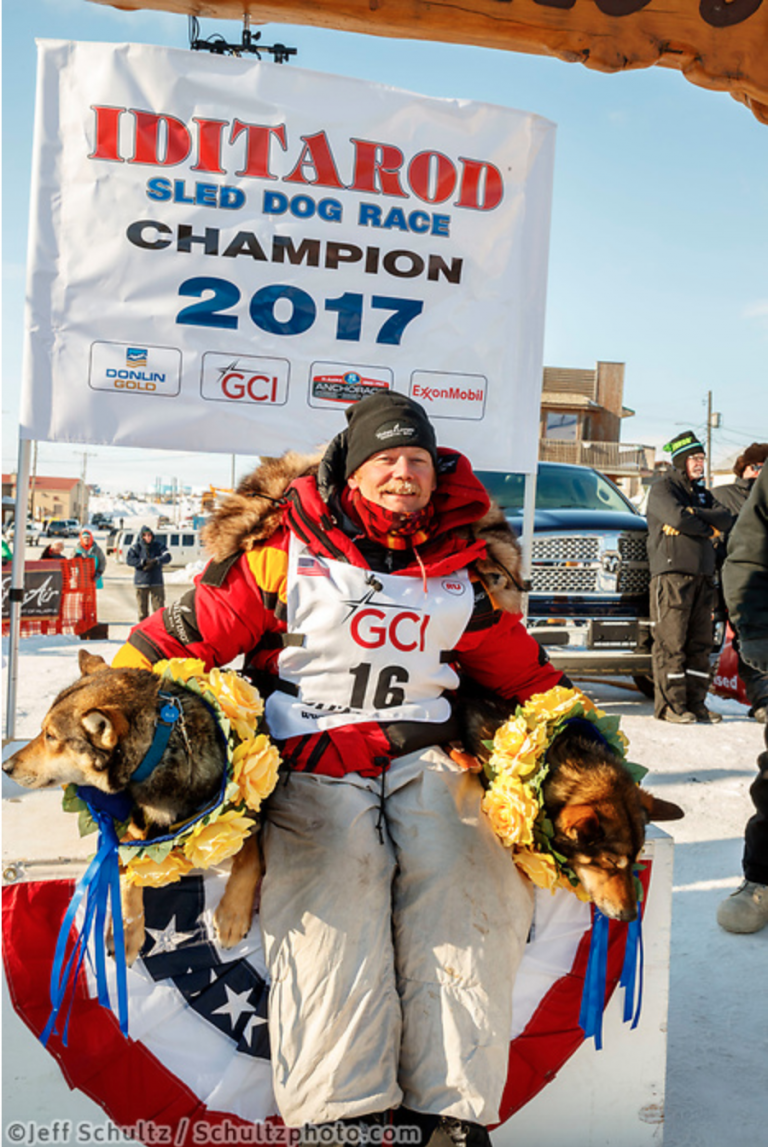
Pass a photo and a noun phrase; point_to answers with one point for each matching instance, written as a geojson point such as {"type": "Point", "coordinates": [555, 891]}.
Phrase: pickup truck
{"type": "Point", "coordinates": [589, 595]}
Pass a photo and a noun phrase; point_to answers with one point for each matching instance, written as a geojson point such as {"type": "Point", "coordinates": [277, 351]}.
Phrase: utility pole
{"type": "Point", "coordinates": [709, 438]}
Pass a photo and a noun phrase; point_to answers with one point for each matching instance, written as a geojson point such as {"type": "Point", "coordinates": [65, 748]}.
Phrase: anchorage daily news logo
{"type": "Point", "coordinates": [335, 383]}
{"type": "Point", "coordinates": [135, 369]}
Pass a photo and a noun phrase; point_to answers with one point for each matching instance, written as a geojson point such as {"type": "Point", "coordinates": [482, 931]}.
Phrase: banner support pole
{"type": "Point", "coordinates": [17, 581]}
{"type": "Point", "coordinates": [529, 510]}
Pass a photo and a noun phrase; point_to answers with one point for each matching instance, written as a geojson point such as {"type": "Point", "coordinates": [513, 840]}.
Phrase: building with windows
{"type": "Point", "coordinates": [52, 497]}
{"type": "Point", "coordinates": [581, 417]}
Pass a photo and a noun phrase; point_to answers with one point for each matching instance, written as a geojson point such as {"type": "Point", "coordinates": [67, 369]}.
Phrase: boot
{"type": "Point", "coordinates": [706, 716]}
{"type": "Point", "coordinates": [675, 718]}
{"type": "Point", "coordinates": [746, 909]}
{"type": "Point", "coordinates": [462, 1133]}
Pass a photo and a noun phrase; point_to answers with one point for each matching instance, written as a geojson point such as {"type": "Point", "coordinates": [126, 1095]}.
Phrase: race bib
{"type": "Point", "coordinates": [365, 646]}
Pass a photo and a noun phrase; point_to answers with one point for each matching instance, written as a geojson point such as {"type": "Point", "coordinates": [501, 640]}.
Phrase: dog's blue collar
{"type": "Point", "coordinates": [586, 728]}
{"type": "Point", "coordinates": [170, 713]}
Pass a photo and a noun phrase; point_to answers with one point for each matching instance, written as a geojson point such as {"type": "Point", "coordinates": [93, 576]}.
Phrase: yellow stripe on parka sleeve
{"type": "Point", "coordinates": [128, 657]}
{"type": "Point", "coordinates": [269, 569]}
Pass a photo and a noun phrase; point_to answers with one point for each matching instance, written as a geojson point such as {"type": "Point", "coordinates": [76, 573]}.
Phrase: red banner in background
{"type": "Point", "coordinates": [726, 682]}
{"type": "Point", "coordinates": [59, 597]}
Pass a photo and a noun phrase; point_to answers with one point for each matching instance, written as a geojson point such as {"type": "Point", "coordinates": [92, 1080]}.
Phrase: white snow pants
{"type": "Point", "coordinates": [392, 964]}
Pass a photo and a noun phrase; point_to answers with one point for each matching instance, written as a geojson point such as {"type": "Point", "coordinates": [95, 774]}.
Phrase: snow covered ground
{"type": "Point", "coordinates": [718, 1015]}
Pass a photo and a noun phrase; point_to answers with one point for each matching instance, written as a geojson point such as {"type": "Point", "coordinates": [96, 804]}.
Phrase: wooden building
{"type": "Point", "coordinates": [581, 416]}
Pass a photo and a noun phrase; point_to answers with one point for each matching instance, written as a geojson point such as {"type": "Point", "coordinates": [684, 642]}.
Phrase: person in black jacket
{"type": "Point", "coordinates": [745, 581]}
{"type": "Point", "coordinates": [747, 469]}
{"type": "Point", "coordinates": [683, 522]}
{"type": "Point", "coordinates": [148, 556]}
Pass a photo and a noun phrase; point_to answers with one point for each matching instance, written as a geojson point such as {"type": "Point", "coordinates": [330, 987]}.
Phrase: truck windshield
{"type": "Point", "coordinates": [557, 488]}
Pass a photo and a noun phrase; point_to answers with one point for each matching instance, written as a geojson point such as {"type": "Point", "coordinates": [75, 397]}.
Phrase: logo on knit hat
{"type": "Point", "coordinates": [687, 441]}
{"type": "Point", "coordinates": [395, 430]}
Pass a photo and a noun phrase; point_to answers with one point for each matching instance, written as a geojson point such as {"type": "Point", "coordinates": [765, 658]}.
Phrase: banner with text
{"type": "Point", "coordinates": [225, 253]}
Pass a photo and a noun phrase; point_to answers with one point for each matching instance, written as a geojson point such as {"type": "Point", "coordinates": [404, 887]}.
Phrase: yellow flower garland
{"type": "Point", "coordinates": [517, 770]}
{"type": "Point", "coordinates": [252, 770]}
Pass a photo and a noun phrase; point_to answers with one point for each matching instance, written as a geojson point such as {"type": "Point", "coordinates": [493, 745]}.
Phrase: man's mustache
{"type": "Point", "coordinates": [400, 488]}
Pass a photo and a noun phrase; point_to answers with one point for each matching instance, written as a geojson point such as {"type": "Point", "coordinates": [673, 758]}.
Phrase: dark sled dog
{"type": "Point", "coordinates": [97, 732]}
{"type": "Point", "coordinates": [598, 811]}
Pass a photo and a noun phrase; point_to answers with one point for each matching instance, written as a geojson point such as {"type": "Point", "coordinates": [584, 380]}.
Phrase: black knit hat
{"type": "Point", "coordinates": [382, 421]}
{"type": "Point", "coordinates": [682, 446]}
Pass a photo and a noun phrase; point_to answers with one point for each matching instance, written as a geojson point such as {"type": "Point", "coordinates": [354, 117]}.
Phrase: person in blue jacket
{"type": "Point", "coordinates": [148, 556]}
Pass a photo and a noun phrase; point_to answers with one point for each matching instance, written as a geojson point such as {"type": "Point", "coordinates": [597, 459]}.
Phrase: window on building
{"type": "Point", "coordinates": [562, 426]}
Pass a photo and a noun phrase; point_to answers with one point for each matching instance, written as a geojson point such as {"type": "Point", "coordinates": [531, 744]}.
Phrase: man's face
{"type": "Point", "coordinates": [752, 471]}
{"type": "Point", "coordinates": [147, 537]}
{"type": "Point", "coordinates": [694, 466]}
{"type": "Point", "coordinates": [401, 479]}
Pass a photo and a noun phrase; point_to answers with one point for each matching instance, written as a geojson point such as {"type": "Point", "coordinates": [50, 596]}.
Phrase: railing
{"type": "Point", "coordinates": [614, 457]}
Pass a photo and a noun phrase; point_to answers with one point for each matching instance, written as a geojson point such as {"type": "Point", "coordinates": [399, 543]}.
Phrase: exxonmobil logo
{"type": "Point", "coordinates": [405, 631]}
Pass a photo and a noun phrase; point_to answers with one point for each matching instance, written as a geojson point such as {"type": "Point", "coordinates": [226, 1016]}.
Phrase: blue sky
{"type": "Point", "coordinates": [659, 242]}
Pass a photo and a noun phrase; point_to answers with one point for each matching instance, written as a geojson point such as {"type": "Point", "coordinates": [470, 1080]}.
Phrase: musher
{"type": "Point", "coordinates": [394, 920]}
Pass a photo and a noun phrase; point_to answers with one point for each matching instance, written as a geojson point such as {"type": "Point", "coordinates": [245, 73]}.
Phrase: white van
{"type": "Point", "coordinates": [183, 545]}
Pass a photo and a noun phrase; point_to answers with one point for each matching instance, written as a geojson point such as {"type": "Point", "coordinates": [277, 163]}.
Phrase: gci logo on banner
{"type": "Point", "coordinates": [135, 369]}
{"type": "Point", "coordinates": [333, 383]}
{"type": "Point", "coordinates": [450, 395]}
{"type": "Point", "coordinates": [245, 378]}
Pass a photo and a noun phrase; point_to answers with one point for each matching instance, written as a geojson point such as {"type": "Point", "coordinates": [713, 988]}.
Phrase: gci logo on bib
{"type": "Point", "coordinates": [244, 378]}
{"type": "Point", "coordinates": [405, 630]}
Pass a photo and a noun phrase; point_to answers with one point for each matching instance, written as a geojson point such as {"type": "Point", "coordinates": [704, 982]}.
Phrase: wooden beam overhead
{"type": "Point", "coordinates": [718, 44]}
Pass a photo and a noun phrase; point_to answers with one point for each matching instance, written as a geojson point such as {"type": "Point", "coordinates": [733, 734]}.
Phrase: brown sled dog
{"type": "Point", "coordinates": [598, 811]}
{"type": "Point", "coordinates": [97, 732]}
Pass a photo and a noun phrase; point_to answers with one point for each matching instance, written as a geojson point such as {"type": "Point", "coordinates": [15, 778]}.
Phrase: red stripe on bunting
{"type": "Point", "coordinates": [132, 1085]}
{"type": "Point", "coordinates": [119, 1074]}
{"type": "Point", "coordinates": [553, 1034]}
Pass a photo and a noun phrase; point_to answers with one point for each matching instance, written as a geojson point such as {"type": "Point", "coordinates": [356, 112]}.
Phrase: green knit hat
{"type": "Point", "coordinates": [682, 446]}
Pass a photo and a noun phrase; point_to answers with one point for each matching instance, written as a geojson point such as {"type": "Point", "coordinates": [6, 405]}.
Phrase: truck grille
{"type": "Point", "coordinates": [575, 549]}
{"type": "Point", "coordinates": [590, 564]}
{"type": "Point", "coordinates": [633, 548]}
{"type": "Point", "coordinates": [550, 579]}
{"type": "Point", "coordinates": [633, 580]}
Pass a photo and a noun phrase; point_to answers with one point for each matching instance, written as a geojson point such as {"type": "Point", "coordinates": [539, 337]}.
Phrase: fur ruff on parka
{"type": "Point", "coordinates": [254, 513]}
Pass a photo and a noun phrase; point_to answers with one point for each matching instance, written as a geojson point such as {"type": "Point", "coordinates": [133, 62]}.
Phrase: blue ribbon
{"type": "Point", "coordinates": [101, 883]}
{"type": "Point", "coordinates": [593, 996]}
{"type": "Point", "coordinates": [631, 978]}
